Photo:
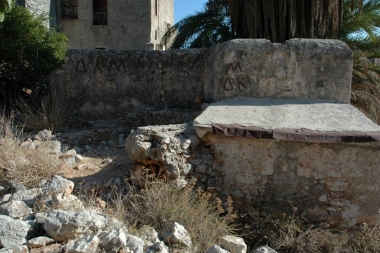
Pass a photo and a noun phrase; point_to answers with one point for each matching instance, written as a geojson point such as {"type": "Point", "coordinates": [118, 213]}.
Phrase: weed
{"type": "Point", "coordinates": [160, 204]}
{"type": "Point", "coordinates": [24, 162]}
{"type": "Point", "coordinates": [50, 114]}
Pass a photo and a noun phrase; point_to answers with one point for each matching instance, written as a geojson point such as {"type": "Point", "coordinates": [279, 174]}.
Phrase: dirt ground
{"type": "Point", "coordinates": [99, 168]}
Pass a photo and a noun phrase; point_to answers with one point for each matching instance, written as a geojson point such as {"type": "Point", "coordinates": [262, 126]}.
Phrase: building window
{"type": "Point", "coordinates": [100, 12]}
{"type": "Point", "coordinates": [69, 9]}
{"type": "Point", "coordinates": [156, 7]}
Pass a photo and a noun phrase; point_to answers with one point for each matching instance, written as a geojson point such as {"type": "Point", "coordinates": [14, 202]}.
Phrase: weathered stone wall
{"type": "Point", "coordinates": [137, 87]}
{"type": "Point", "coordinates": [105, 83]}
{"type": "Point", "coordinates": [317, 69]}
{"type": "Point", "coordinates": [335, 182]}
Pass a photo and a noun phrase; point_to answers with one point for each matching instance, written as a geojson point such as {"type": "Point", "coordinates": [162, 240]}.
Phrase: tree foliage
{"type": "Point", "coordinates": [203, 29]}
{"type": "Point", "coordinates": [29, 51]}
{"type": "Point", "coordinates": [5, 6]}
{"type": "Point", "coordinates": [360, 25]}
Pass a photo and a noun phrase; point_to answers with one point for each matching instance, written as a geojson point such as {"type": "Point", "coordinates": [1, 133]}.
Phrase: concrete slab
{"type": "Point", "coordinates": [314, 119]}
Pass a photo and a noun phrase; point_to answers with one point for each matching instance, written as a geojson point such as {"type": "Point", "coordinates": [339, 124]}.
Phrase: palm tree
{"type": "Point", "coordinates": [203, 29]}
{"type": "Point", "coordinates": [279, 20]}
{"type": "Point", "coordinates": [360, 30]}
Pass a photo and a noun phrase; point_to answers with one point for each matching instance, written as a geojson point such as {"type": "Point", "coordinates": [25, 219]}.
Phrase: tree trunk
{"type": "Point", "coordinates": [280, 20]}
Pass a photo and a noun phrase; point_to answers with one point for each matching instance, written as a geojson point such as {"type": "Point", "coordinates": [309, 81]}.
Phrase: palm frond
{"type": "Point", "coordinates": [203, 29]}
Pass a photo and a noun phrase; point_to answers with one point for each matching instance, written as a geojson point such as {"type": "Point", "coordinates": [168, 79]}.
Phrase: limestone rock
{"type": "Point", "coordinates": [87, 244]}
{"type": "Point", "coordinates": [28, 196]}
{"type": "Point", "coordinates": [78, 158]}
{"type": "Point", "coordinates": [158, 247]}
{"type": "Point", "coordinates": [12, 232]}
{"type": "Point", "coordinates": [137, 147]}
{"type": "Point", "coordinates": [5, 198]}
{"type": "Point", "coordinates": [54, 147]}
{"type": "Point", "coordinates": [6, 250]}
{"type": "Point", "coordinates": [134, 244]}
{"type": "Point", "coordinates": [53, 248]}
{"type": "Point", "coordinates": [233, 244]}
{"type": "Point", "coordinates": [69, 157]}
{"type": "Point", "coordinates": [113, 240]}
{"type": "Point", "coordinates": [58, 186]}
{"type": "Point", "coordinates": [216, 249]}
{"type": "Point", "coordinates": [264, 249]}
{"type": "Point", "coordinates": [69, 203]}
{"type": "Point", "coordinates": [148, 233]}
{"type": "Point", "coordinates": [43, 135]}
{"type": "Point", "coordinates": [178, 235]}
{"type": "Point", "coordinates": [20, 249]}
{"type": "Point", "coordinates": [64, 225]}
{"type": "Point", "coordinates": [165, 146]}
{"type": "Point", "coordinates": [39, 242]}
{"type": "Point", "coordinates": [16, 209]}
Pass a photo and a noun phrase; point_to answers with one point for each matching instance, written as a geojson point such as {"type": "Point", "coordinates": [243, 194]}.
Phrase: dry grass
{"type": "Point", "coordinates": [50, 114]}
{"type": "Point", "coordinates": [160, 204]}
{"type": "Point", "coordinates": [294, 234]}
{"type": "Point", "coordinates": [24, 163]}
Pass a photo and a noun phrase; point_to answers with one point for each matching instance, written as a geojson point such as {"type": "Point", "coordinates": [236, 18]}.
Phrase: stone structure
{"type": "Point", "coordinates": [105, 83]}
{"type": "Point", "coordinates": [304, 148]}
{"type": "Point", "coordinates": [120, 24]}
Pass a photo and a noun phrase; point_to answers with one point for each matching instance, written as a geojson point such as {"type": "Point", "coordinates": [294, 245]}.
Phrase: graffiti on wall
{"type": "Point", "coordinates": [234, 78]}
{"type": "Point", "coordinates": [101, 65]}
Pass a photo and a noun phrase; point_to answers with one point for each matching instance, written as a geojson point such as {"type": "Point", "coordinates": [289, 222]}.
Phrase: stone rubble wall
{"type": "Point", "coordinates": [103, 84]}
{"type": "Point", "coordinates": [326, 182]}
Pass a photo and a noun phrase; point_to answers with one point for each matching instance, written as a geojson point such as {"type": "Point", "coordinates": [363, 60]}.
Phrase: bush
{"type": "Point", "coordinates": [22, 64]}
{"type": "Point", "coordinates": [160, 204]}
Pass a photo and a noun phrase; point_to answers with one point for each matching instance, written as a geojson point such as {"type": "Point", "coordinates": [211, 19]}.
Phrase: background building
{"type": "Point", "coordinates": [105, 24]}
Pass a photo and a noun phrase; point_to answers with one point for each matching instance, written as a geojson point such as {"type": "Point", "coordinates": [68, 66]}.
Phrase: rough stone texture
{"type": "Point", "coordinates": [39, 242]}
{"type": "Point", "coordinates": [28, 196]}
{"type": "Point", "coordinates": [64, 225]}
{"type": "Point", "coordinates": [298, 68]}
{"type": "Point", "coordinates": [335, 182]}
{"type": "Point", "coordinates": [113, 240]}
{"type": "Point", "coordinates": [216, 249]}
{"type": "Point", "coordinates": [105, 84]}
{"type": "Point", "coordinates": [264, 249]}
{"type": "Point", "coordinates": [20, 249]}
{"type": "Point", "coordinates": [87, 244]}
{"type": "Point", "coordinates": [178, 235]}
{"type": "Point", "coordinates": [16, 209]}
{"type": "Point", "coordinates": [12, 232]}
{"type": "Point", "coordinates": [143, 87]}
{"type": "Point", "coordinates": [164, 149]}
{"type": "Point", "coordinates": [4, 250]}
{"type": "Point", "coordinates": [54, 248]}
{"type": "Point", "coordinates": [158, 247]}
{"type": "Point", "coordinates": [134, 244]}
{"type": "Point", "coordinates": [296, 114]}
{"type": "Point", "coordinates": [148, 233]}
{"type": "Point", "coordinates": [58, 186]}
{"type": "Point", "coordinates": [233, 244]}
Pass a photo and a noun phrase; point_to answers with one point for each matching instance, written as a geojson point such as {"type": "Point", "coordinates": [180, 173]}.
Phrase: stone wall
{"type": "Point", "coordinates": [336, 183]}
{"type": "Point", "coordinates": [317, 69]}
{"type": "Point", "coordinates": [103, 83]}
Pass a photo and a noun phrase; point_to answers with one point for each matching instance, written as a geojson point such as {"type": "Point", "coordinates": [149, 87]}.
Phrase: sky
{"type": "Point", "coordinates": [183, 8]}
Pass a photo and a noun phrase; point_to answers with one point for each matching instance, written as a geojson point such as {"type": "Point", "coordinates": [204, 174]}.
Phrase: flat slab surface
{"type": "Point", "coordinates": [293, 119]}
